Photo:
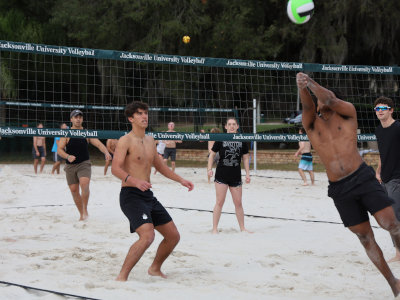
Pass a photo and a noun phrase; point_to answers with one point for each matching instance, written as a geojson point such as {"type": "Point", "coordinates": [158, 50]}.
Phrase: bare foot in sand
{"type": "Point", "coordinates": [84, 217]}
{"type": "Point", "coordinates": [119, 278]}
{"type": "Point", "coordinates": [247, 231]}
{"type": "Point", "coordinates": [156, 273]}
{"type": "Point", "coordinates": [305, 184]}
{"type": "Point", "coordinates": [393, 259]}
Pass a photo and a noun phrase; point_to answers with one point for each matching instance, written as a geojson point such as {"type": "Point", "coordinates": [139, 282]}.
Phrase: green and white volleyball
{"type": "Point", "coordinates": [300, 11]}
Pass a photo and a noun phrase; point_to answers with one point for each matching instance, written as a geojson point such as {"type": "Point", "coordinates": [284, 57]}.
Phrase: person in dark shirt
{"type": "Point", "coordinates": [228, 174]}
{"type": "Point", "coordinates": [388, 137]}
{"type": "Point", "coordinates": [78, 168]}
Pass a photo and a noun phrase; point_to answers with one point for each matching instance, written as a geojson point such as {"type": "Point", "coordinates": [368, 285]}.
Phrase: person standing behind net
{"type": "Point", "coordinates": [352, 184]}
{"type": "Point", "coordinates": [111, 144]}
{"type": "Point", "coordinates": [135, 155]}
{"type": "Point", "coordinates": [228, 174]}
{"type": "Point", "coordinates": [39, 151]}
{"type": "Point", "coordinates": [160, 151]}
{"type": "Point", "coordinates": [57, 158]}
{"type": "Point", "coordinates": [170, 147]}
{"type": "Point", "coordinates": [210, 145]}
{"type": "Point", "coordinates": [78, 168]}
{"type": "Point", "coordinates": [305, 163]}
{"type": "Point", "coordinates": [388, 170]}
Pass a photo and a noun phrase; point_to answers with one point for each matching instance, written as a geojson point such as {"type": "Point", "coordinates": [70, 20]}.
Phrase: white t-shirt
{"type": "Point", "coordinates": [160, 147]}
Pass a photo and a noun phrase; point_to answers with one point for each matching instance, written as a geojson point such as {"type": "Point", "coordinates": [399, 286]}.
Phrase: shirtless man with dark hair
{"type": "Point", "coordinates": [134, 156]}
{"type": "Point", "coordinates": [352, 184]}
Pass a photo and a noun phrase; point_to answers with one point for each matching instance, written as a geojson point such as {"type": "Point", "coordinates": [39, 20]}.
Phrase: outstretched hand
{"type": "Point", "coordinates": [187, 184]}
{"type": "Point", "coordinates": [302, 80]}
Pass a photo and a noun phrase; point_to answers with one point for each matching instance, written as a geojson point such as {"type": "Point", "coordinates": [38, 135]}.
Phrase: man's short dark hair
{"type": "Point", "coordinates": [133, 107]}
{"type": "Point", "coordinates": [231, 118]}
{"type": "Point", "coordinates": [384, 100]}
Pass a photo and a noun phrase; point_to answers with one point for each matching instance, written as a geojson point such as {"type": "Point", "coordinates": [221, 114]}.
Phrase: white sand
{"type": "Point", "coordinates": [43, 245]}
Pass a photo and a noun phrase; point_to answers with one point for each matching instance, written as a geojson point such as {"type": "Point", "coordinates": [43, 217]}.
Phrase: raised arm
{"type": "Point", "coordinates": [309, 110]}
{"type": "Point", "coordinates": [327, 97]}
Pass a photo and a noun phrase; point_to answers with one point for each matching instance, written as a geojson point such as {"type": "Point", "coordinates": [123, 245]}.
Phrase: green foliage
{"type": "Point", "coordinates": [340, 32]}
{"type": "Point", "coordinates": [14, 26]}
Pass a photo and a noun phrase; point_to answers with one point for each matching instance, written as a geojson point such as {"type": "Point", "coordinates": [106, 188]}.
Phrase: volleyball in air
{"type": "Point", "coordinates": [186, 39]}
{"type": "Point", "coordinates": [300, 11]}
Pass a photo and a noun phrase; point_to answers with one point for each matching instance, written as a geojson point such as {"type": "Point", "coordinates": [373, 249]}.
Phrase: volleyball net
{"type": "Point", "coordinates": [43, 83]}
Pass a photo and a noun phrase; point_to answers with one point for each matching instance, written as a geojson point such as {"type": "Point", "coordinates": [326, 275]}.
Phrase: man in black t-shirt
{"type": "Point", "coordinates": [78, 166]}
{"type": "Point", "coordinates": [388, 137]}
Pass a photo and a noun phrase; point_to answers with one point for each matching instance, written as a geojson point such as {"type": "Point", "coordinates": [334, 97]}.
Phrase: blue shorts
{"type": "Point", "coordinates": [305, 165]}
{"type": "Point", "coordinates": [306, 162]}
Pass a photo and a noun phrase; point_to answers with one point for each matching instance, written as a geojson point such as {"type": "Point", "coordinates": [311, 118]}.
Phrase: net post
{"type": "Point", "coordinates": [255, 131]}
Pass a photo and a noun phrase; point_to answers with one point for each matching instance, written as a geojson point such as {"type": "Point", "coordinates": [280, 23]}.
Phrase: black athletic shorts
{"type": "Point", "coordinates": [170, 152]}
{"type": "Point", "coordinates": [232, 176]}
{"type": "Point", "coordinates": [358, 194]}
{"type": "Point", "coordinates": [142, 207]}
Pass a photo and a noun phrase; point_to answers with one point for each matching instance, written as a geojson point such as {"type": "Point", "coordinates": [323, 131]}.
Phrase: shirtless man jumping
{"type": "Point", "coordinates": [352, 184]}
{"type": "Point", "coordinates": [134, 156]}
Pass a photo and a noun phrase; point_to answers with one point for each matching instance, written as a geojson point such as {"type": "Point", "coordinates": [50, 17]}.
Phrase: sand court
{"type": "Point", "coordinates": [299, 248]}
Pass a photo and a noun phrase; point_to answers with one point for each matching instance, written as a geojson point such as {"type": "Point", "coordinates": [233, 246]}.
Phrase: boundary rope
{"type": "Point", "coordinates": [47, 291]}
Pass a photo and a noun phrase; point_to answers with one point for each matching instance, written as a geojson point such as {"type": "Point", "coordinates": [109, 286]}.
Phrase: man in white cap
{"type": "Point", "coordinates": [78, 166]}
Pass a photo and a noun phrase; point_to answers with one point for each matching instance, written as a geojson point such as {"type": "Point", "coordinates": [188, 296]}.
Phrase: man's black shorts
{"type": "Point", "coordinates": [142, 207]}
{"type": "Point", "coordinates": [356, 195]}
{"type": "Point", "coordinates": [40, 150]}
{"type": "Point", "coordinates": [170, 152]}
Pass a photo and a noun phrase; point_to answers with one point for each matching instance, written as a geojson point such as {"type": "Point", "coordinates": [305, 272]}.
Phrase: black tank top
{"type": "Point", "coordinates": [79, 149]}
